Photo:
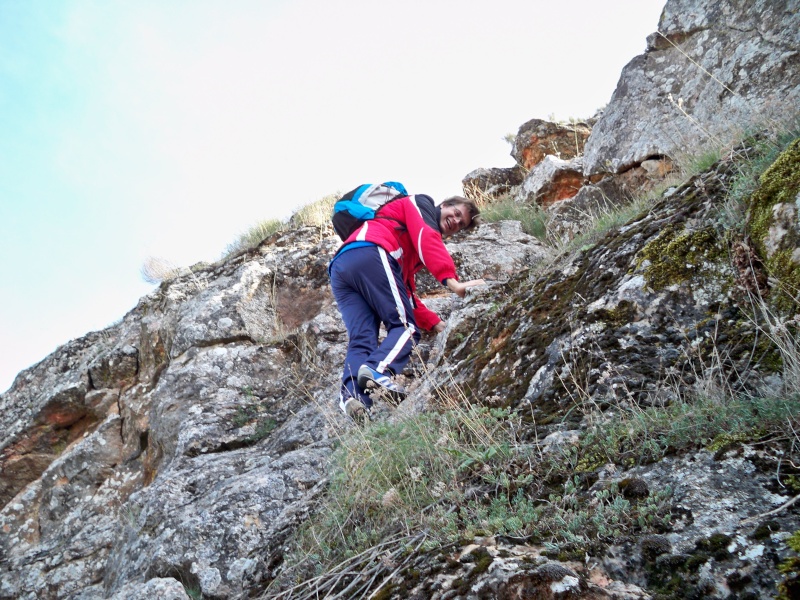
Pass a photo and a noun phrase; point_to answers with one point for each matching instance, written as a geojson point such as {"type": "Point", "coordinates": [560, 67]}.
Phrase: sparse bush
{"type": "Point", "coordinates": [156, 270]}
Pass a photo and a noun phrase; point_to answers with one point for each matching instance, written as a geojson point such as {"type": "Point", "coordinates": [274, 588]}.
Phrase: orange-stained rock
{"type": "Point", "coordinates": [537, 139]}
{"type": "Point", "coordinates": [551, 181]}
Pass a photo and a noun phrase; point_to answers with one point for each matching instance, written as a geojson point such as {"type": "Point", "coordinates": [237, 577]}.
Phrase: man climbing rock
{"type": "Point", "coordinates": [373, 281]}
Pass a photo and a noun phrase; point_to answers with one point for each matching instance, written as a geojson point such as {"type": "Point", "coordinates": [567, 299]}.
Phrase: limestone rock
{"type": "Point", "coordinates": [493, 251]}
{"type": "Point", "coordinates": [496, 251]}
{"type": "Point", "coordinates": [493, 183]}
{"type": "Point", "coordinates": [158, 588]}
{"type": "Point", "coordinates": [180, 443]}
{"type": "Point", "coordinates": [714, 70]}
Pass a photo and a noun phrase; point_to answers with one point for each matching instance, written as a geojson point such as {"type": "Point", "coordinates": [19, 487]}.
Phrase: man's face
{"type": "Point", "coordinates": [454, 218]}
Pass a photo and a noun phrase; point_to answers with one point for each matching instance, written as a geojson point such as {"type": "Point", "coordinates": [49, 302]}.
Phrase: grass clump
{"type": "Point", "coordinates": [701, 162]}
{"type": "Point", "coordinates": [421, 482]}
{"type": "Point", "coordinates": [443, 476]}
{"type": "Point", "coordinates": [643, 435]}
{"type": "Point", "coordinates": [155, 270]}
{"type": "Point", "coordinates": [605, 218]}
{"type": "Point", "coordinates": [532, 217]}
{"type": "Point", "coordinates": [254, 236]}
{"type": "Point", "coordinates": [406, 476]}
{"type": "Point", "coordinates": [316, 213]}
{"type": "Point", "coordinates": [158, 270]}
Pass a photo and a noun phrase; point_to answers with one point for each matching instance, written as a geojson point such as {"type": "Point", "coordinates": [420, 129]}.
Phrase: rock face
{"type": "Point", "coordinates": [176, 443]}
{"type": "Point", "coordinates": [174, 454]}
{"type": "Point", "coordinates": [658, 297]}
{"type": "Point", "coordinates": [713, 70]}
{"type": "Point", "coordinates": [182, 443]}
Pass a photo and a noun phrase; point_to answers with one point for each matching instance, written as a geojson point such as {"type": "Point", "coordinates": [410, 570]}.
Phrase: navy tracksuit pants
{"type": "Point", "coordinates": [369, 290]}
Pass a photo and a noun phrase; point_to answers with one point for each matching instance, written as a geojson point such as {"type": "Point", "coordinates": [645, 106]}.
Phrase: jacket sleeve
{"type": "Point", "coordinates": [428, 243]}
{"type": "Point", "coordinates": [424, 316]}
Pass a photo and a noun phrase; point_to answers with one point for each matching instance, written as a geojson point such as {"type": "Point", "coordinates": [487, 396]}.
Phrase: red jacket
{"type": "Point", "coordinates": [400, 229]}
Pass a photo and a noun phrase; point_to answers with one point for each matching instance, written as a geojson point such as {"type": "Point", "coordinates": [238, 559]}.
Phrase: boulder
{"type": "Point", "coordinates": [552, 180]}
{"type": "Point", "coordinates": [538, 138]}
{"type": "Point", "coordinates": [494, 183]}
{"type": "Point", "coordinates": [570, 217]}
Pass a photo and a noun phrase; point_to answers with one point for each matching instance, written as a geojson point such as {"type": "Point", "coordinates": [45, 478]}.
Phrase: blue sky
{"type": "Point", "coordinates": [165, 128]}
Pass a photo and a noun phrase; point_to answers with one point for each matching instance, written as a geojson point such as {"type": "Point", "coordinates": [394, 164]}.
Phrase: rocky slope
{"type": "Point", "coordinates": [174, 454]}
{"type": "Point", "coordinates": [187, 439]}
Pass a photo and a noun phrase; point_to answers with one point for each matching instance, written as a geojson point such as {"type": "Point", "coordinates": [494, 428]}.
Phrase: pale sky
{"type": "Point", "coordinates": [165, 128]}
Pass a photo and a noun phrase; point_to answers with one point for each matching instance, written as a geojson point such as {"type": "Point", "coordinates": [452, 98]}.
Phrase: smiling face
{"type": "Point", "coordinates": [455, 217]}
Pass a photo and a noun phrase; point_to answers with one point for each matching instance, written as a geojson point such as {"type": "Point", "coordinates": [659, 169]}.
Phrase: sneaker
{"type": "Point", "coordinates": [367, 374]}
{"type": "Point", "coordinates": [353, 408]}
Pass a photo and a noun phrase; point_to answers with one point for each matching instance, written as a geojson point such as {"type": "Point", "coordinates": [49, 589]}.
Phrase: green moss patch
{"type": "Point", "coordinates": [779, 184]}
{"type": "Point", "coordinates": [678, 256]}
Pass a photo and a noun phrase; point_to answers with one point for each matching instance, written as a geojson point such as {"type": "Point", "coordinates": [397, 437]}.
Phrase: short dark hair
{"type": "Point", "coordinates": [472, 208]}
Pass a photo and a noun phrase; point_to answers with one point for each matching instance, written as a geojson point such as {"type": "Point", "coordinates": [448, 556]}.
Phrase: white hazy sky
{"type": "Point", "coordinates": [165, 128]}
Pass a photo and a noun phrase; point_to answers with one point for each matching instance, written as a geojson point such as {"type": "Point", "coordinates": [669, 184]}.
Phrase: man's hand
{"type": "Point", "coordinates": [439, 327]}
{"type": "Point", "coordinates": [460, 287]}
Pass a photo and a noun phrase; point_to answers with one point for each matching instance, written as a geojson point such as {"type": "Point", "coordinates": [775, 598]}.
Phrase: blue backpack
{"type": "Point", "coordinates": [361, 204]}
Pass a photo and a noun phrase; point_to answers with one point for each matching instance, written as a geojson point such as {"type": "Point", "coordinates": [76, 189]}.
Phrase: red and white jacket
{"type": "Point", "coordinates": [414, 241]}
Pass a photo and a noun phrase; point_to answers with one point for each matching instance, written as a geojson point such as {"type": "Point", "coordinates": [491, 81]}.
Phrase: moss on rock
{"type": "Point", "coordinates": [775, 241]}
{"type": "Point", "coordinates": [678, 256]}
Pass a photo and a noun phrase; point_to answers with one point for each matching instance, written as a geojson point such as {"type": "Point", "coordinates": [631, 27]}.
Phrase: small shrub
{"type": "Point", "coordinates": [156, 270]}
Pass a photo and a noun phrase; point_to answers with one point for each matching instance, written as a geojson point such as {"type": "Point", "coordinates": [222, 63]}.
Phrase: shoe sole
{"type": "Point", "coordinates": [356, 411]}
{"type": "Point", "coordinates": [398, 394]}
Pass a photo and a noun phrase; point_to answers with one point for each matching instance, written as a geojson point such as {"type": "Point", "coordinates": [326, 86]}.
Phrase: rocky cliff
{"type": "Point", "coordinates": [640, 390]}
{"type": "Point", "coordinates": [710, 65]}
